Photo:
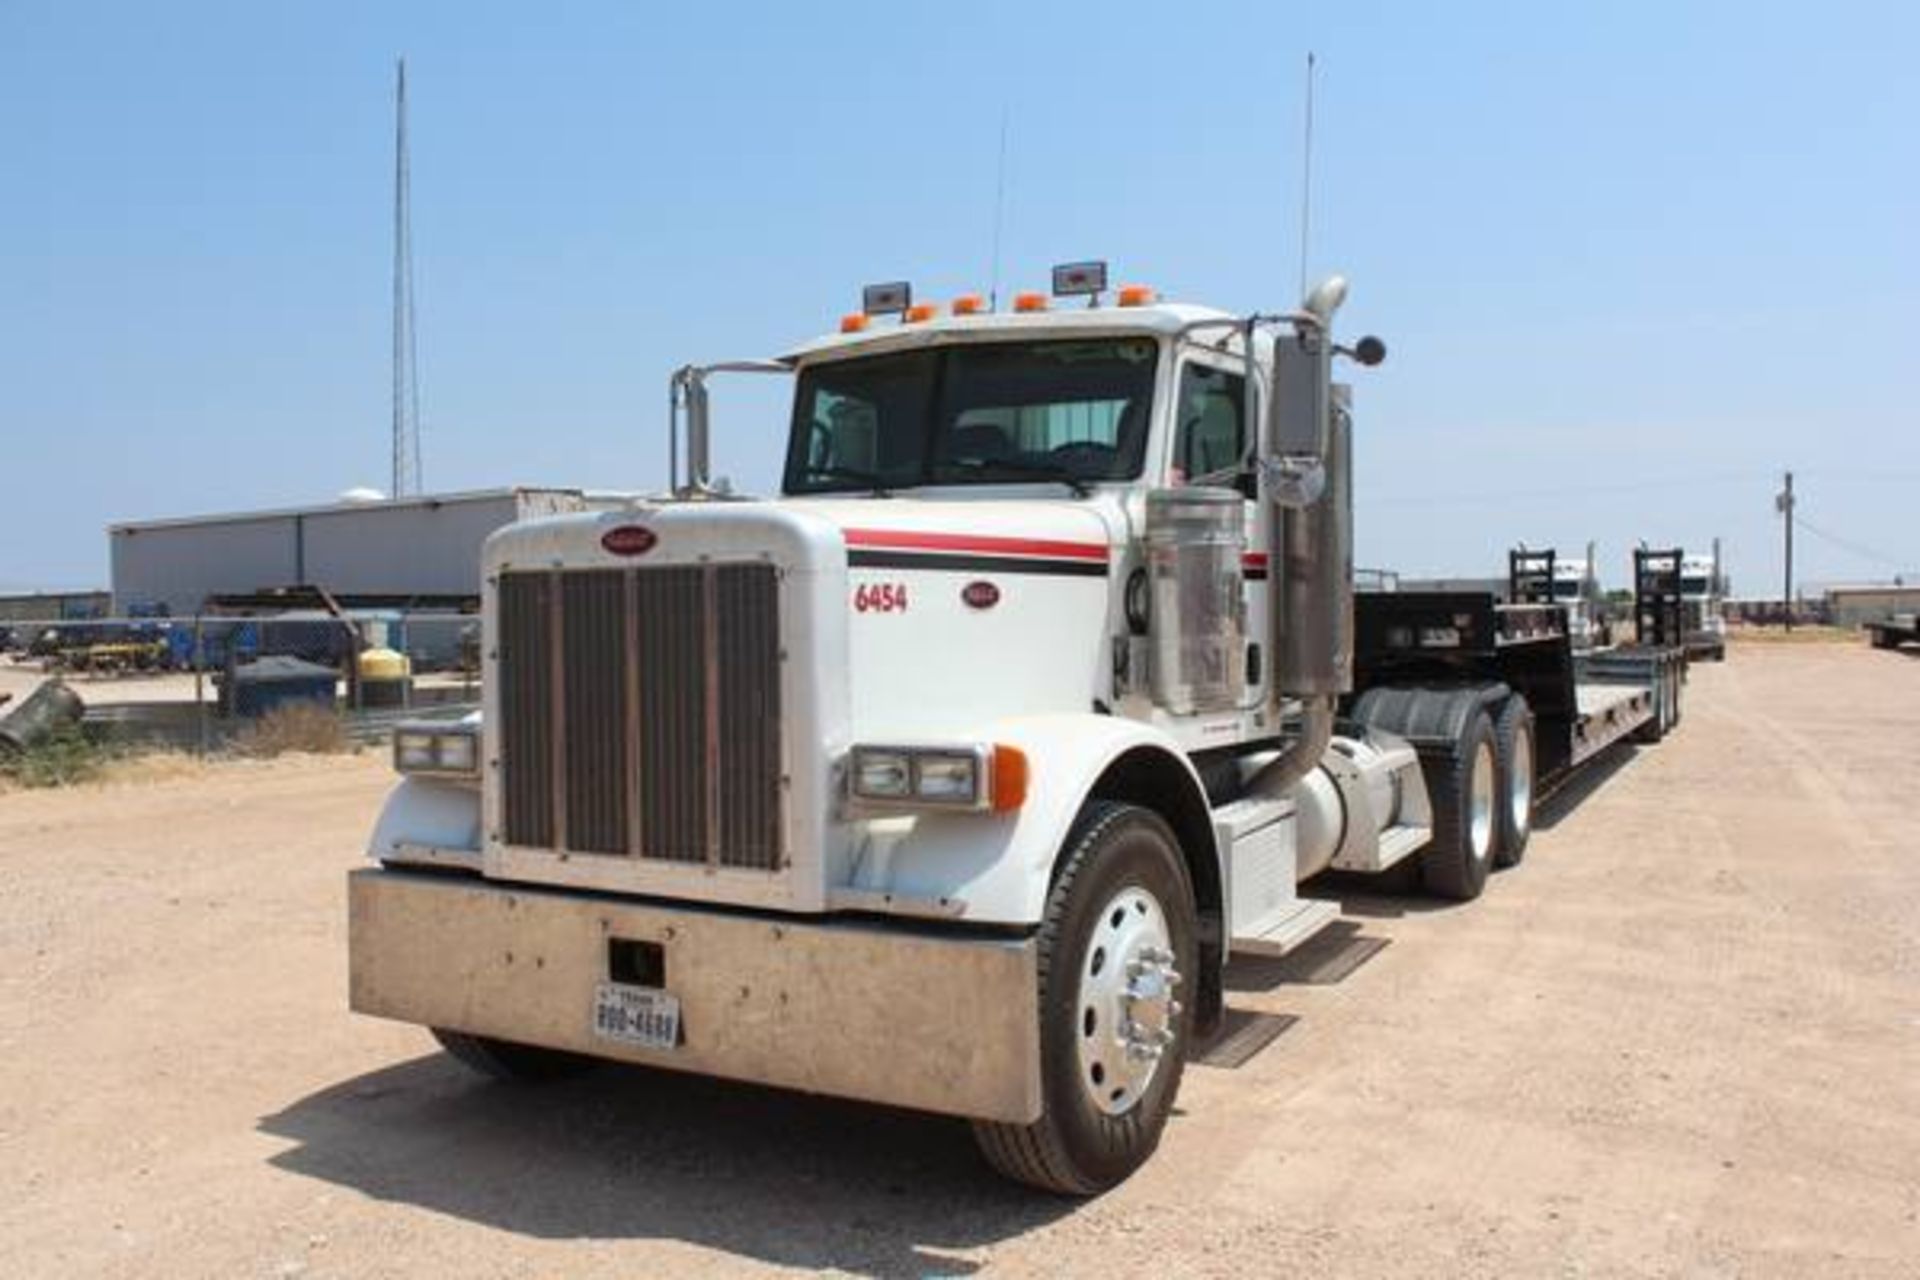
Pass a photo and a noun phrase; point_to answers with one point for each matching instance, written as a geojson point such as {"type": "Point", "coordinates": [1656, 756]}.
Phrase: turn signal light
{"type": "Point", "coordinates": [920, 311]}
{"type": "Point", "coordinates": [1010, 775]}
{"type": "Point", "coordinates": [1030, 302]}
{"type": "Point", "coordinates": [969, 304]}
{"type": "Point", "coordinates": [854, 323]}
{"type": "Point", "coordinates": [1137, 295]}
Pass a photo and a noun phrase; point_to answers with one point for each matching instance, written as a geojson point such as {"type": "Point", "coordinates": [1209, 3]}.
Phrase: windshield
{"type": "Point", "coordinates": [1073, 410]}
{"type": "Point", "coordinates": [1691, 586]}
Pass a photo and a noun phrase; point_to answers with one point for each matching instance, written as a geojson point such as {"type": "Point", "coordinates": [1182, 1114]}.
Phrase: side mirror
{"type": "Point", "coordinates": [1298, 399]}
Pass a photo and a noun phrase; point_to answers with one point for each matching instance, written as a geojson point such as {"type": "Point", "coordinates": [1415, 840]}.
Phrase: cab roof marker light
{"type": "Point", "coordinates": [1137, 295]}
{"type": "Point", "coordinates": [920, 312]}
{"type": "Point", "coordinates": [969, 304]}
{"type": "Point", "coordinates": [853, 323]}
{"type": "Point", "coordinates": [1029, 302]}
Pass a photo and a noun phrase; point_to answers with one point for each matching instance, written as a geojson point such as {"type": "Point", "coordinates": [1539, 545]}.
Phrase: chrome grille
{"type": "Point", "coordinates": [641, 712]}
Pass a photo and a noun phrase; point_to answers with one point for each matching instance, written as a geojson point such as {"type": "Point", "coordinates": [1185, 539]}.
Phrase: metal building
{"type": "Point", "coordinates": [52, 606]}
{"type": "Point", "coordinates": [383, 550]}
{"type": "Point", "coordinates": [1850, 606]}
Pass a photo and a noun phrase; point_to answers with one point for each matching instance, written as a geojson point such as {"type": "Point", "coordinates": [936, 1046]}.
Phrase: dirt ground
{"type": "Point", "coordinates": [1682, 1039]}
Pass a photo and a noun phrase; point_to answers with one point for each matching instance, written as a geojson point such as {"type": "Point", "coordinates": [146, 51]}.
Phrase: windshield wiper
{"type": "Point", "coordinates": [870, 479]}
{"type": "Point", "coordinates": [1014, 468]}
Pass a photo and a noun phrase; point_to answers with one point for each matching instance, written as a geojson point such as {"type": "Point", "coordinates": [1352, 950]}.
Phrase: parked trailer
{"type": "Point", "coordinates": [952, 777]}
{"type": "Point", "coordinates": [1895, 630]}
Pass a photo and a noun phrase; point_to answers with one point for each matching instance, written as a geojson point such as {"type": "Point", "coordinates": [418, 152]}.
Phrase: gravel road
{"type": "Point", "coordinates": [1682, 1039]}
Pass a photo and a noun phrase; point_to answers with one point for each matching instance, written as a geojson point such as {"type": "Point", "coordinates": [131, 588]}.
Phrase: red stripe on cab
{"type": "Point", "coordinates": [915, 540]}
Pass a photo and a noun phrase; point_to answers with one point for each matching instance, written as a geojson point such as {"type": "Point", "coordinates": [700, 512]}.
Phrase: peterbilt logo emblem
{"type": "Point", "coordinates": [629, 540]}
{"type": "Point", "coordinates": [980, 595]}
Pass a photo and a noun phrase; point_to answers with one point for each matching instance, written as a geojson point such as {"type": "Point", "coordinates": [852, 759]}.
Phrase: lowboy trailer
{"type": "Point", "coordinates": [952, 777]}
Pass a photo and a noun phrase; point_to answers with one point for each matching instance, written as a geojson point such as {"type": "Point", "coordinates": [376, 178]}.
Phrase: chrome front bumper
{"type": "Point", "coordinates": [911, 1019]}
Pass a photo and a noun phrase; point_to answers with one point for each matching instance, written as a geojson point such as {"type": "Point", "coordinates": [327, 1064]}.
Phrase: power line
{"type": "Point", "coordinates": [1856, 548]}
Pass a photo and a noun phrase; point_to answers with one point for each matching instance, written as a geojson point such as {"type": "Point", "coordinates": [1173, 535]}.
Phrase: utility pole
{"type": "Point", "coordinates": [1783, 503]}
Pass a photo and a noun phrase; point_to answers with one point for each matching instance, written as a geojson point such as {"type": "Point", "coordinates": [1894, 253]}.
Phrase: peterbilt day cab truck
{"type": "Point", "coordinates": [952, 777]}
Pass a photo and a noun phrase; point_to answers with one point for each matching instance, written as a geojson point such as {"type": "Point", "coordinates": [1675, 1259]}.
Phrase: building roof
{"type": "Point", "coordinates": [327, 508]}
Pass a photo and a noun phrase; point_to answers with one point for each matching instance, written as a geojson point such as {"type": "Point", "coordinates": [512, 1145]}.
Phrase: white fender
{"type": "Point", "coordinates": [430, 813]}
{"type": "Point", "coordinates": [996, 868]}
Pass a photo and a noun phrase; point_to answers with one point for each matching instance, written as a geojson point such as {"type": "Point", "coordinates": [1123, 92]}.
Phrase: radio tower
{"type": "Point", "coordinates": [407, 476]}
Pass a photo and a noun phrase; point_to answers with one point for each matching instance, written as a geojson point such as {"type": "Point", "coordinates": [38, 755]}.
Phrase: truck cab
{"type": "Point", "coordinates": [951, 776]}
{"type": "Point", "coordinates": [1701, 595]}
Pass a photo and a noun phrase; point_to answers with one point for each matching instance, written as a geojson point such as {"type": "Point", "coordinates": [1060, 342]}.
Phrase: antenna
{"type": "Point", "coordinates": [999, 214]}
{"type": "Point", "coordinates": [407, 474]}
{"type": "Point", "coordinates": [1306, 180]}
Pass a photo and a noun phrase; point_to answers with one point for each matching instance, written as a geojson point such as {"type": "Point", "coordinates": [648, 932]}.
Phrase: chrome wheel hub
{"type": "Point", "coordinates": [1127, 1014]}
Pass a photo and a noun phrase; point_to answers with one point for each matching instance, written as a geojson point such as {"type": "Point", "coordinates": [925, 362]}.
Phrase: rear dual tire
{"type": "Point", "coordinates": [1513, 749]}
{"type": "Point", "coordinates": [1463, 784]}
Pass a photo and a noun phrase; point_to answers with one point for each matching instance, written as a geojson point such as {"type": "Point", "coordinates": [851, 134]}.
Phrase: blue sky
{"type": "Point", "coordinates": [1631, 259]}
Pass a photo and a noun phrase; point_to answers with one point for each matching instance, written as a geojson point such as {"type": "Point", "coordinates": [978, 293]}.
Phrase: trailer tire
{"type": "Point", "coordinates": [1513, 750]}
{"type": "Point", "coordinates": [1119, 856]}
{"type": "Point", "coordinates": [1663, 694]}
{"type": "Point", "coordinates": [1463, 786]}
{"type": "Point", "coordinates": [508, 1059]}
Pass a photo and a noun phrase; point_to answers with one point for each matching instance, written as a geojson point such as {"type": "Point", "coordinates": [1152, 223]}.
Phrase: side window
{"type": "Point", "coordinates": [1210, 438]}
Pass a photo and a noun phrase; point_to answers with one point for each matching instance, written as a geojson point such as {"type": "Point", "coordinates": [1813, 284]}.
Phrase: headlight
{"type": "Point", "coordinates": [965, 777]}
{"type": "Point", "coordinates": [882, 775]}
{"type": "Point", "coordinates": [951, 779]}
{"type": "Point", "coordinates": [437, 750]}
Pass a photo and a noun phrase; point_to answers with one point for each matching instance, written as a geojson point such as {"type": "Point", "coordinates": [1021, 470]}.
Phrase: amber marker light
{"type": "Point", "coordinates": [1137, 295]}
{"type": "Point", "coordinates": [921, 311]}
{"type": "Point", "coordinates": [1030, 302]}
{"type": "Point", "coordinates": [1010, 776]}
{"type": "Point", "coordinates": [969, 304]}
{"type": "Point", "coordinates": [855, 323]}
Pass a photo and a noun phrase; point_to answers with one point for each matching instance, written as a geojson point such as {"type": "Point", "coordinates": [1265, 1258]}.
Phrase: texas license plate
{"type": "Point", "coordinates": [641, 1016]}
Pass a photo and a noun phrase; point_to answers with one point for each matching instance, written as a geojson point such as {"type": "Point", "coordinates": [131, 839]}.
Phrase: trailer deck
{"type": "Point", "coordinates": [1582, 703]}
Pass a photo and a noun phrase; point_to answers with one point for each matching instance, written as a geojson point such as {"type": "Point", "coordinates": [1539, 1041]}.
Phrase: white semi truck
{"type": "Point", "coordinates": [1702, 593]}
{"type": "Point", "coordinates": [952, 777]}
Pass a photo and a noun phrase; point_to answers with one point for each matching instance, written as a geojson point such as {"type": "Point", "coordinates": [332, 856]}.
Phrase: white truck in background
{"type": "Point", "coordinates": [1541, 576]}
{"type": "Point", "coordinates": [953, 776]}
{"type": "Point", "coordinates": [1702, 591]}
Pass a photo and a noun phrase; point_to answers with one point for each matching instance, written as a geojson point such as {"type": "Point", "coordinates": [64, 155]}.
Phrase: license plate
{"type": "Point", "coordinates": [639, 1016]}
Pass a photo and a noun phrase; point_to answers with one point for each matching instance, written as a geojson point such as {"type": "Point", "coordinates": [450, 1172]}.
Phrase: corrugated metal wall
{"type": "Point", "coordinates": [428, 546]}
{"type": "Point", "coordinates": [180, 565]}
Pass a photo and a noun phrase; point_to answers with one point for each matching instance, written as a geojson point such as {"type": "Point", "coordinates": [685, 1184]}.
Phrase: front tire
{"type": "Point", "coordinates": [1118, 949]}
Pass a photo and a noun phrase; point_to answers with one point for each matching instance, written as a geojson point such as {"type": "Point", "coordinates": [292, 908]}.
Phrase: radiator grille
{"type": "Point", "coordinates": [642, 713]}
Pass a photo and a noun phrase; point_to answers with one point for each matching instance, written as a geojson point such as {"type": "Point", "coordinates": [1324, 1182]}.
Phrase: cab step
{"type": "Point", "coordinates": [1286, 928]}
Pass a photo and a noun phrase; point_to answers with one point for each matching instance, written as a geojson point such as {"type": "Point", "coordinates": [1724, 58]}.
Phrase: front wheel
{"type": "Point", "coordinates": [1117, 945]}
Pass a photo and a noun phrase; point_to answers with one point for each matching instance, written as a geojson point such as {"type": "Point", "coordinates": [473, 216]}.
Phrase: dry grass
{"type": "Point", "coordinates": [1801, 634]}
{"type": "Point", "coordinates": [308, 727]}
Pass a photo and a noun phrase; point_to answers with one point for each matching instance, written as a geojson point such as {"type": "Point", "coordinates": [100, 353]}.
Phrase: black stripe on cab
{"type": "Point", "coordinates": [963, 563]}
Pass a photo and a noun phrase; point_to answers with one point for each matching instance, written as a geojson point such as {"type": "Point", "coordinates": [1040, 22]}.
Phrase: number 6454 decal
{"type": "Point", "coordinates": [880, 597]}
